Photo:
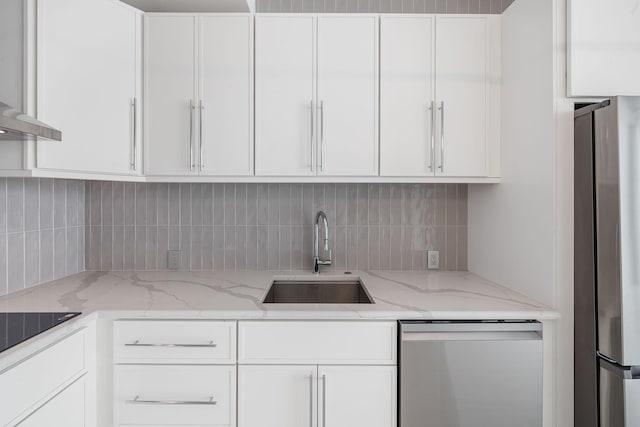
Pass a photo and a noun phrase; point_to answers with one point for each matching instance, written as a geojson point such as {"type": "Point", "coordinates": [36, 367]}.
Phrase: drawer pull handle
{"type": "Point", "coordinates": [137, 401]}
{"type": "Point", "coordinates": [137, 343]}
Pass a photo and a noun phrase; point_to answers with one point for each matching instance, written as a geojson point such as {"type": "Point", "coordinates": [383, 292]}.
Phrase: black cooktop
{"type": "Point", "coordinates": [18, 327]}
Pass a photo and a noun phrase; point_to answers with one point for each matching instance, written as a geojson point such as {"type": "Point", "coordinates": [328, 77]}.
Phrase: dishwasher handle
{"type": "Point", "coordinates": [470, 336]}
{"type": "Point", "coordinates": [477, 331]}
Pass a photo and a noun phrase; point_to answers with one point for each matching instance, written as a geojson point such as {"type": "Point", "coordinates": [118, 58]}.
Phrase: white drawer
{"type": "Point", "coordinates": [175, 395]}
{"type": "Point", "coordinates": [174, 341]}
{"type": "Point", "coordinates": [38, 377]}
{"type": "Point", "coordinates": [327, 342]}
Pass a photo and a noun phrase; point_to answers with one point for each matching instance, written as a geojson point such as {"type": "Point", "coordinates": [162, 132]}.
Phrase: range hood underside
{"type": "Point", "coordinates": [193, 6]}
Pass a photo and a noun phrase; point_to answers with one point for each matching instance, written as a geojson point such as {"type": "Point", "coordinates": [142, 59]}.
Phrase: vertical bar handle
{"type": "Point", "coordinates": [192, 108]}
{"type": "Point", "coordinates": [432, 147]}
{"type": "Point", "coordinates": [324, 400]}
{"type": "Point", "coordinates": [441, 167]}
{"type": "Point", "coordinates": [311, 400]}
{"type": "Point", "coordinates": [200, 134]}
{"type": "Point", "coordinates": [134, 148]}
{"type": "Point", "coordinates": [321, 136]}
{"type": "Point", "coordinates": [312, 123]}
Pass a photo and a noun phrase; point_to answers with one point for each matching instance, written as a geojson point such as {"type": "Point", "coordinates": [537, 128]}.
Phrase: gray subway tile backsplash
{"type": "Point", "coordinates": [15, 262]}
{"type": "Point", "coordinates": [269, 226]}
{"type": "Point", "coordinates": [42, 227]}
{"type": "Point", "coordinates": [382, 6]}
{"type": "Point", "coordinates": [15, 205]}
{"type": "Point", "coordinates": [56, 228]}
{"type": "Point", "coordinates": [32, 258]}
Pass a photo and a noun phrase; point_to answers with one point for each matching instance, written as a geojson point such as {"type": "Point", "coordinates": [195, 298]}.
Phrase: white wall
{"type": "Point", "coordinates": [11, 52]}
{"type": "Point", "coordinates": [11, 70]}
{"type": "Point", "coordinates": [511, 224]}
{"type": "Point", "coordinates": [521, 231]}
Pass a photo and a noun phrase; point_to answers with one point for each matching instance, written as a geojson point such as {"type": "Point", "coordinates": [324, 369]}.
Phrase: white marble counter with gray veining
{"type": "Point", "coordinates": [238, 295]}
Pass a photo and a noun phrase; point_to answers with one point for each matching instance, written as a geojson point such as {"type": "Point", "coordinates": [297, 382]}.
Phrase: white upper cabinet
{"type": "Point", "coordinates": [603, 48]}
{"type": "Point", "coordinates": [320, 97]}
{"type": "Point", "coordinates": [87, 79]}
{"type": "Point", "coordinates": [170, 94]}
{"type": "Point", "coordinates": [440, 96]}
{"type": "Point", "coordinates": [407, 134]}
{"type": "Point", "coordinates": [226, 93]}
{"type": "Point", "coordinates": [285, 96]}
{"type": "Point", "coordinates": [331, 132]}
{"type": "Point", "coordinates": [348, 95]}
{"type": "Point", "coordinates": [198, 94]}
{"type": "Point", "coordinates": [462, 73]}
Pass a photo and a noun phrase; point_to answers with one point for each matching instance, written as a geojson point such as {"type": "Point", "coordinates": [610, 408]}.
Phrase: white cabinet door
{"type": "Point", "coordinates": [357, 396]}
{"type": "Point", "coordinates": [175, 395]}
{"type": "Point", "coordinates": [170, 100]}
{"type": "Point", "coordinates": [407, 117]}
{"type": "Point", "coordinates": [226, 88]}
{"type": "Point", "coordinates": [348, 95]}
{"type": "Point", "coordinates": [34, 380]}
{"type": "Point", "coordinates": [64, 410]}
{"type": "Point", "coordinates": [461, 94]}
{"type": "Point", "coordinates": [277, 396]}
{"type": "Point", "coordinates": [603, 48]}
{"type": "Point", "coordinates": [285, 69]}
{"type": "Point", "coordinates": [86, 84]}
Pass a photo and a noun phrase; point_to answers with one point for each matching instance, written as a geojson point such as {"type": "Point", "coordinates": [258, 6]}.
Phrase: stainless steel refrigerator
{"type": "Point", "coordinates": [607, 263]}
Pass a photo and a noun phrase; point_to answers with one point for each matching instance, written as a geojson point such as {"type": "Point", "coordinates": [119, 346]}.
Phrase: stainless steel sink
{"type": "Point", "coordinates": [317, 291]}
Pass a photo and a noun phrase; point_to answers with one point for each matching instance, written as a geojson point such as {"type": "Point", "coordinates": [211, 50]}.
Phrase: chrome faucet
{"type": "Point", "coordinates": [317, 262]}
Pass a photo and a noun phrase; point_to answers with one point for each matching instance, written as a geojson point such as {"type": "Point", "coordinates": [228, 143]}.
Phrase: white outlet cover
{"type": "Point", "coordinates": [433, 260]}
{"type": "Point", "coordinates": [173, 260]}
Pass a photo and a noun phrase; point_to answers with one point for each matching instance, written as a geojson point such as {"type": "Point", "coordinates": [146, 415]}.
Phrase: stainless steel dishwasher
{"type": "Point", "coordinates": [470, 374]}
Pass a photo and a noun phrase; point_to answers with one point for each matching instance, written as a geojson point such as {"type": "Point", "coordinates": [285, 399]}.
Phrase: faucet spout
{"type": "Point", "coordinates": [317, 261]}
{"type": "Point", "coordinates": [325, 224]}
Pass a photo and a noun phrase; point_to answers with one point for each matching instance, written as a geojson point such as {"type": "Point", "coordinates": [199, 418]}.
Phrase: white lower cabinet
{"type": "Point", "coordinates": [175, 395]}
{"type": "Point", "coordinates": [314, 373]}
{"type": "Point", "coordinates": [310, 395]}
{"type": "Point", "coordinates": [286, 374]}
{"type": "Point", "coordinates": [43, 383]}
{"type": "Point", "coordinates": [357, 396]}
{"type": "Point", "coordinates": [67, 409]}
{"type": "Point", "coordinates": [277, 396]}
{"type": "Point", "coordinates": [174, 373]}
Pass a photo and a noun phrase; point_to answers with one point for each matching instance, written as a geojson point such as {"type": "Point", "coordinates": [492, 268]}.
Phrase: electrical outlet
{"type": "Point", "coordinates": [433, 260]}
{"type": "Point", "coordinates": [173, 260]}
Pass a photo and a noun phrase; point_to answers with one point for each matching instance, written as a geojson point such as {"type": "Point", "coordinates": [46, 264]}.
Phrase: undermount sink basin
{"type": "Point", "coordinates": [317, 291]}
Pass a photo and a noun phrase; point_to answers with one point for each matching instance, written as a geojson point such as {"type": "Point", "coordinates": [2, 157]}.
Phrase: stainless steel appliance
{"type": "Point", "coordinates": [470, 374]}
{"type": "Point", "coordinates": [607, 263]}
{"type": "Point", "coordinates": [15, 125]}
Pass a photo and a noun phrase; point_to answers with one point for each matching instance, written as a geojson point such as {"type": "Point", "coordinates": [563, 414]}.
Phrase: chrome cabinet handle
{"type": "Point", "coordinates": [432, 148]}
{"type": "Point", "coordinates": [312, 122]}
{"type": "Point", "coordinates": [311, 400]}
{"type": "Point", "coordinates": [137, 401]}
{"type": "Point", "coordinates": [441, 167]}
{"type": "Point", "coordinates": [137, 343]}
{"type": "Point", "coordinates": [321, 136]}
{"type": "Point", "coordinates": [324, 400]}
{"type": "Point", "coordinates": [200, 134]}
{"type": "Point", "coordinates": [192, 108]}
{"type": "Point", "coordinates": [134, 148]}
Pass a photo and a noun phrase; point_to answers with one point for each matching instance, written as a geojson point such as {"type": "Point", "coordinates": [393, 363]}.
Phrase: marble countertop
{"type": "Point", "coordinates": [237, 295]}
